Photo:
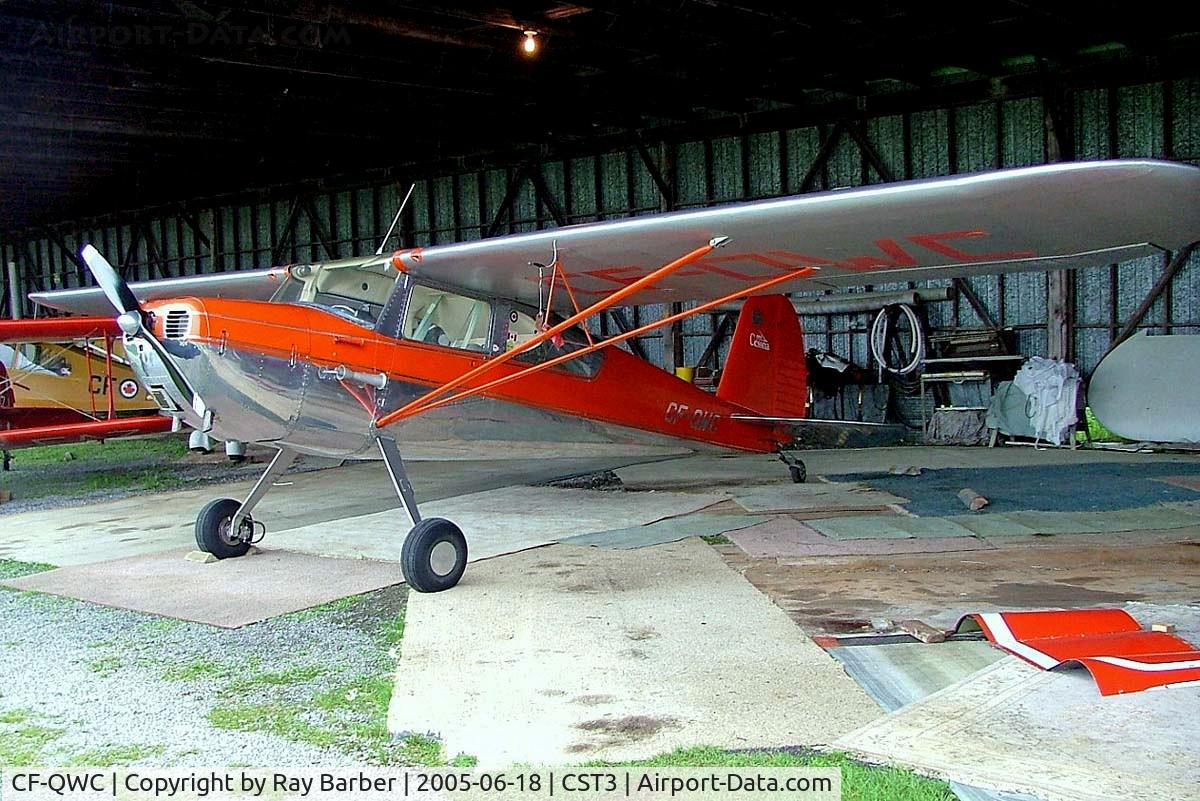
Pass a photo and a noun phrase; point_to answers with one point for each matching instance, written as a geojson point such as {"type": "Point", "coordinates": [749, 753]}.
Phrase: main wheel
{"type": "Point", "coordinates": [213, 529]}
{"type": "Point", "coordinates": [799, 472]}
{"type": "Point", "coordinates": [434, 555]}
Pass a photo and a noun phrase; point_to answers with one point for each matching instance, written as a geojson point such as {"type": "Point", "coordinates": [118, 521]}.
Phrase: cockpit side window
{"type": "Point", "coordinates": [523, 326]}
{"type": "Point", "coordinates": [444, 318]}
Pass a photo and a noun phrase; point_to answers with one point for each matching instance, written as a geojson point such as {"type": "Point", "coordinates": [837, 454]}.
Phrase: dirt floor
{"type": "Point", "coordinates": [840, 595]}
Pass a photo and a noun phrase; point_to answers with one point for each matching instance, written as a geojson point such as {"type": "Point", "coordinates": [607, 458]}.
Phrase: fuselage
{"type": "Point", "coordinates": [313, 375]}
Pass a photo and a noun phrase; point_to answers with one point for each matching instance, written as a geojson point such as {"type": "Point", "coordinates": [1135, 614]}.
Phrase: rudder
{"type": "Point", "coordinates": [765, 370]}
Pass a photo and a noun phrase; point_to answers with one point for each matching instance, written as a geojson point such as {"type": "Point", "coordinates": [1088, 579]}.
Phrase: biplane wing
{"type": "Point", "coordinates": [87, 394]}
{"type": "Point", "coordinates": [1046, 217]}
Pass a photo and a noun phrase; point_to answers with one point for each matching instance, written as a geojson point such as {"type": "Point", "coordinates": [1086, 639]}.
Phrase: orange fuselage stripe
{"type": "Point", "coordinates": [626, 391]}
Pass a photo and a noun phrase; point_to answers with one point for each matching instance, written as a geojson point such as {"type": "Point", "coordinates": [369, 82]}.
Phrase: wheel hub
{"type": "Point", "coordinates": [244, 534]}
{"type": "Point", "coordinates": [442, 558]}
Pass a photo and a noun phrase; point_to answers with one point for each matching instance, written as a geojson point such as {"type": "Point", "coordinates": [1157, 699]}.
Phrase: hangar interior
{"type": "Point", "coordinates": [184, 139]}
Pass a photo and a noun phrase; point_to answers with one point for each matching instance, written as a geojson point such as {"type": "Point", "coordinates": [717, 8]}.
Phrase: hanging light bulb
{"type": "Point", "coordinates": [529, 44]}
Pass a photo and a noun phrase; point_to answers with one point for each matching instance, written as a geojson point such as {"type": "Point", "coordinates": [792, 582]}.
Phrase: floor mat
{"type": "Point", "coordinates": [1150, 518]}
{"type": "Point", "coordinates": [783, 538]}
{"type": "Point", "coordinates": [1187, 482]}
{"type": "Point", "coordinates": [498, 521]}
{"type": "Point", "coordinates": [670, 530]}
{"type": "Point", "coordinates": [1013, 727]}
{"type": "Point", "coordinates": [229, 593]}
{"type": "Point", "coordinates": [1083, 487]}
{"type": "Point", "coordinates": [680, 650]}
{"type": "Point", "coordinates": [814, 496]}
{"type": "Point", "coordinates": [874, 527]}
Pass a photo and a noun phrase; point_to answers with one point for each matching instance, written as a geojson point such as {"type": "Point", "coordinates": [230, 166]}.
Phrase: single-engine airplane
{"type": "Point", "coordinates": [349, 357]}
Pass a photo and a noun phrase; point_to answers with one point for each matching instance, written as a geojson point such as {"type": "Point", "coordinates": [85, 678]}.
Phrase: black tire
{"type": "Point", "coordinates": [424, 572]}
{"type": "Point", "coordinates": [799, 472]}
{"type": "Point", "coordinates": [212, 529]}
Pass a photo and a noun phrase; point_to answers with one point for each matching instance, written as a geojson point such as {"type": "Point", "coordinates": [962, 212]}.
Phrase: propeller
{"type": "Point", "coordinates": [116, 290]}
{"type": "Point", "coordinates": [130, 321]}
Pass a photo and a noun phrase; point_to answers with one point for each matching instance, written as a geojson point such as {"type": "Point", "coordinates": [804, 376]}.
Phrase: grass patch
{"type": "Point", "coordinates": [161, 625]}
{"type": "Point", "coordinates": [300, 674]}
{"type": "Point", "coordinates": [104, 666]}
{"type": "Point", "coordinates": [281, 719]}
{"type": "Point", "coordinates": [860, 782]}
{"type": "Point", "coordinates": [349, 715]}
{"type": "Point", "coordinates": [336, 605]}
{"type": "Point", "coordinates": [11, 568]}
{"type": "Point", "coordinates": [393, 631]}
{"type": "Point", "coordinates": [166, 447]}
{"type": "Point", "coordinates": [114, 756]}
{"type": "Point", "coordinates": [198, 669]}
{"type": "Point", "coordinates": [25, 744]}
{"type": "Point", "coordinates": [716, 539]}
{"type": "Point", "coordinates": [12, 716]}
{"type": "Point", "coordinates": [151, 479]}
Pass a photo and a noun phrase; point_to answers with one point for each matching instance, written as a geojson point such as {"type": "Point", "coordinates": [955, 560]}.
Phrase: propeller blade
{"type": "Point", "coordinates": [115, 289]}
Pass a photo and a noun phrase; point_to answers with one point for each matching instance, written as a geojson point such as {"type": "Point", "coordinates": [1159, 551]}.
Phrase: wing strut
{"type": "Point", "coordinates": [554, 330]}
{"type": "Point", "coordinates": [430, 400]}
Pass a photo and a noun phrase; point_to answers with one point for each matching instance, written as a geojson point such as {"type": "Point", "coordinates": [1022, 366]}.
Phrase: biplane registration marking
{"type": "Point", "coordinates": [892, 254]}
{"type": "Point", "coordinates": [698, 419]}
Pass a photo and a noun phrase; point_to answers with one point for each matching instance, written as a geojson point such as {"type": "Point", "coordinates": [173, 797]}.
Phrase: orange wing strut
{"type": "Point", "coordinates": [610, 300]}
{"type": "Point", "coordinates": [759, 287]}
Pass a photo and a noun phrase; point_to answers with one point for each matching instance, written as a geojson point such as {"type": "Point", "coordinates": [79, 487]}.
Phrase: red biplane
{"type": "Point", "coordinates": [65, 380]}
{"type": "Point", "coordinates": [347, 358]}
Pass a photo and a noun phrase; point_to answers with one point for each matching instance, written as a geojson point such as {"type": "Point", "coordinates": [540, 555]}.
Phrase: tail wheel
{"type": "Point", "coordinates": [434, 555]}
{"type": "Point", "coordinates": [214, 531]}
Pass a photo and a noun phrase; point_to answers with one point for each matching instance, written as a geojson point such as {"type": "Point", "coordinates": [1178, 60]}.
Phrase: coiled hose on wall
{"type": "Point", "coordinates": [883, 330]}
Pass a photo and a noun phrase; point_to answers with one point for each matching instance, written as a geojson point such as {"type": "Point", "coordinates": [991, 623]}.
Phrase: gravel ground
{"type": "Point", "coordinates": [91, 685]}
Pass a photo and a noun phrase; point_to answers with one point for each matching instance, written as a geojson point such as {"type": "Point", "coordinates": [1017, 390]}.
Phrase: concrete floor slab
{"type": "Point", "coordinates": [148, 523]}
{"type": "Point", "coordinates": [814, 497]}
{"type": "Point", "coordinates": [229, 593]}
{"type": "Point", "coordinates": [1012, 727]}
{"type": "Point", "coordinates": [670, 530]}
{"type": "Point", "coordinates": [568, 654]}
{"type": "Point", "coordinates": [496, 522]}
{"type": "Point", "coordinates": [783, 538]}
{"type": "Point", "coordinates": [890, 527]}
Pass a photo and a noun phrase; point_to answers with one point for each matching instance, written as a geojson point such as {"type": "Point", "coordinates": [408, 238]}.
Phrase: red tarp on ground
{"type": "Point", "coordinates": [1121, 656]}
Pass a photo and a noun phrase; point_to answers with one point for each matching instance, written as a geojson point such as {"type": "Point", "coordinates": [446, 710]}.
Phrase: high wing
{"type": "Point", "coordinates": [1047, 217]}
{"type": "Point", "coordinates": [244, 285]}
{"type": "Point", "coordinates": [1036, 218]}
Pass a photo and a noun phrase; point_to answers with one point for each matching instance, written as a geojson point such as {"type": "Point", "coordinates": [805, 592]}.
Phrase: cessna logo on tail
{"type": "Point", "coordinates": [757, 340]}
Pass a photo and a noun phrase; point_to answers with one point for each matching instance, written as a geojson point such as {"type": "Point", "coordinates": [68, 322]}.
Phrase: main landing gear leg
{"type": "Point", "coordinates": [224, 527]}
{"type": "Point", "coordinates": [434, 554]}
{"type": "Point", "coordinates": [795, 465]}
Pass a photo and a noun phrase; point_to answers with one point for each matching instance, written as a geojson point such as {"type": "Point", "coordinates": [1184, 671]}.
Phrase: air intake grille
{"type": "Point", "coordinates": [176, 324]}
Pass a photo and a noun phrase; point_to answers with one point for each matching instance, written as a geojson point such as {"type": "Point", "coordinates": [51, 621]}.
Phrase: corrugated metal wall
{"type": "Point", "coordinates": [1158, 120]}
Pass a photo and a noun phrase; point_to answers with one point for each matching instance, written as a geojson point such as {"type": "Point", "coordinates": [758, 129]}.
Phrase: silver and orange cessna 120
{"type": "Point", "coordinates": [348, 358]}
